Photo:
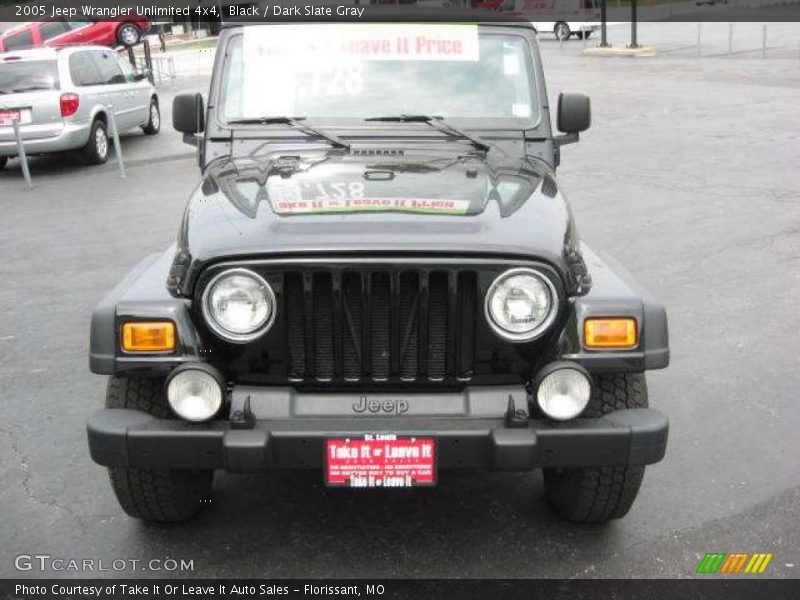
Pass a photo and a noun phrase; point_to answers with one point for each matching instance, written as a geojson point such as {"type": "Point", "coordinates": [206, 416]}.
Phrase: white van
{"type": "Point", "coordinates": [577, 18]}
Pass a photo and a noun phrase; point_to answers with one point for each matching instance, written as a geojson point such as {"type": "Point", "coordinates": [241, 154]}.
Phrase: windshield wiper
{"type": "Point", "coordinates": [297, 123]}
{"type": "Point", "coordinates": [436, 122]}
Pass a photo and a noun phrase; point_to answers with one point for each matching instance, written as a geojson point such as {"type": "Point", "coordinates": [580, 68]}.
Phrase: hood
{"type": "Point", "coordinates": [374, 204]}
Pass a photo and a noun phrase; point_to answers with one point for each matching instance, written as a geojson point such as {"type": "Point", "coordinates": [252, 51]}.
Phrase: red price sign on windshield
{"type": "Point", "coordinates": [379, 41]}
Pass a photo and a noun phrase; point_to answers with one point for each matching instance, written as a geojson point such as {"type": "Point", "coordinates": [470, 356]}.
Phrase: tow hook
{"type": "Point", "coordinates": [515, 418]}
{"type": "Point", "coordinates": [243, 419]}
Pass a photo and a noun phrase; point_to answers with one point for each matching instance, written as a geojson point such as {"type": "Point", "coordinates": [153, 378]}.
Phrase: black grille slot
{"type": "Point", "coordinates": [380, 325]}
{"type": "Point", "coordinates": [467, 314]}
{"type": "Point", "coordinates": [438, 309]}
{"type": "Point", "coordinates": [323, 326]}
{"type": "Point", "coordinates": [409, 325]}
{"type": "Point", "coordinates": [295, 324]}
{"type": "Point", "coordinates": [351, 324]}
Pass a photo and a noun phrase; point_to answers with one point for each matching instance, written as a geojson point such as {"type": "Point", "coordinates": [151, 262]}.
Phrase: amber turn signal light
{"type": "Point", "coordinates": [141, 336]}
{"type": "Point", "coordinates": [614, 332]}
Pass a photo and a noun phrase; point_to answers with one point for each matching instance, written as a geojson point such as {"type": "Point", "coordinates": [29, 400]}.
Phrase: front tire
{"type": "Point", "coordinates": [599, 494]}
{"type": "Point", "coordinates": [96, 149]}
{"type": "Point", "coordinates": [128, 34]}
{"type": "Point", "coordinates": [156, 495]}
{"type": "Point", "coordinates": [3, 162]}
{"type": "Point", "coordinates": [153, 125]}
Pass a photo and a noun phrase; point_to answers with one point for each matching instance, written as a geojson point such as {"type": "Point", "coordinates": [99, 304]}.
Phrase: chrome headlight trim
{"type": "Point", "coordinates": [539, 329]}
{"type": "Point", "coordinates": [217, 328]}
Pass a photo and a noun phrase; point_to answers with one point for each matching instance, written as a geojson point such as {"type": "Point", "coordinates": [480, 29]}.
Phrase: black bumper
{"type": "Point", "coordinates": [130, 438]}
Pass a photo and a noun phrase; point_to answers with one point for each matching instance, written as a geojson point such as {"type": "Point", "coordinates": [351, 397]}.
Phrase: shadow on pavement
{"type": "Point", "coordinates": [287, 524]}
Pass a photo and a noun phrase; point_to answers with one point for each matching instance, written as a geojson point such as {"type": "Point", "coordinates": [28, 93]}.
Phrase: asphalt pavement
{"type": "Point", "coordinates": [688, 177]}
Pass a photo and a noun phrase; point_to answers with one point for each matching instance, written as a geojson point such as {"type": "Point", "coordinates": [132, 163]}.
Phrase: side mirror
{"type": "Point", "coordinates": [188, 115]}
{"type": "Point", "coordinates": [574, 112]}
{"type": "Point", "coordinates": [141, 74]}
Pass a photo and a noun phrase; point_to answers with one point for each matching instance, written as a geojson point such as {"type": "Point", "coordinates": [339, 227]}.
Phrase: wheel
{"type": "Point", "coordinates": [562, 31]}
{"type": "Point", "coordinates": [158, 495]}
{"type": "Point", "coordinates": [96, 149]}
{"type": "Point", "coordinates": [598, 494]}
{"type": "Point", "coordinates": [128, 34]}
{"type": "Point", "coordinates": [583, 35]}
{"type": "Point", "coordinates": [154, 122]}
{"type": "Point", "coordinates": [3, 162]}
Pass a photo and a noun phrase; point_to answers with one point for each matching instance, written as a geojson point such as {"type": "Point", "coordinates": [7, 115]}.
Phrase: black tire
{"type": "Point", "coordinates": [128, 34]}
{"type": "Point", "coordinates": [157, 495]}
{"type": "Point", "coordinates": [139, 393]}
{"type": "Point", "coordinates": [599, 494]}
{"type": "Point", "coordinates": [3, 162]}
{"type": "Point", "coordinates": [95, 152]}
{"type": "Point", "coordinates": [154, 119]}
{"type": "Point", "coordinates": [583, 35]}
{"type": "Point", "coordinates": [562, 31]}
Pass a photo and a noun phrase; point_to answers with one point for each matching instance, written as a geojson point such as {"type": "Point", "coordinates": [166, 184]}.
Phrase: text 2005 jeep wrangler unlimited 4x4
{"type": "Point", "coordinates": [377, 277]}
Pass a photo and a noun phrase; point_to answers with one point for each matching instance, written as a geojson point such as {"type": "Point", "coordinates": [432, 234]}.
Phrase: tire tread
{"type": "Point", "coordinates": [148, 128]}
{"type": "Point", "coordinates": [158, 495]}
{"type": "Point", "coordinates": [89, 151]}
{"type": "Point", "coordinates": [599, 494]}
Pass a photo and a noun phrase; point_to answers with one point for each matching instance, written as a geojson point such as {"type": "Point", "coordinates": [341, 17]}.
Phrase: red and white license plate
{"type": "Point", "coordinates": [7, 116]}
{"type": "Point", "coordinates": [380, 460]}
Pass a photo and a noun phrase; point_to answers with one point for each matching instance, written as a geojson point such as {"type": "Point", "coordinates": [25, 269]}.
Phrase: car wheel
{"type": "Point", "coordinates": [3, 162]}
{"type": "Point", "coordinates": [599, 494]}
{"type": "Point", "coordinates": [128, 34]}
{"type": "Point", "coordinates": [562, 31]}
{"type": "Point", "coordinates": [583, 35]}
{"type": "Point", "coordinates": [96, 149]}
{"type": "Point", "coordinates": [158, 495]}
{"type": "Point", "coordinates": [154, 122]}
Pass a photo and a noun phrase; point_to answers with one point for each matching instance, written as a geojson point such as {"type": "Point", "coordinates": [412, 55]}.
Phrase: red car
{"type": "Point", "coordinates": [69, 33]}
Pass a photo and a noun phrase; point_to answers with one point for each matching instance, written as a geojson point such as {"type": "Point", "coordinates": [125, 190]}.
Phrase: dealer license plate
{"type": "Point", "coordinates": [380, 460]}
{"type": "Point", "coordinates": [8, 116]}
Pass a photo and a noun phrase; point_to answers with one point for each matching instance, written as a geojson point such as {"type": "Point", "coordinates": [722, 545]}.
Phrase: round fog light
{"type": "Point", "coordinates": [194, 392]}
{"type": "Point", "coordinates": [564, 390]}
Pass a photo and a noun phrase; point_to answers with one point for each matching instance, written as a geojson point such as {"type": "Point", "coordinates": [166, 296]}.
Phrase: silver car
{"type": "Point", "coordinates": [62, 98]}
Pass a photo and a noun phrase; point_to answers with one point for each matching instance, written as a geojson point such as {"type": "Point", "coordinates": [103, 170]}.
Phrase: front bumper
{"type": "Point", "coordinates": [474, 438]}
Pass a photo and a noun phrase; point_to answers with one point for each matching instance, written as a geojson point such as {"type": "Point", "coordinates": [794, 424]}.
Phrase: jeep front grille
{"type": "Point", "coordinates": [380, 325]}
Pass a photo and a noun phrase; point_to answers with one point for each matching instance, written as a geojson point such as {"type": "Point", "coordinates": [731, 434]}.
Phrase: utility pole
{"type": "Point", "coordinates": [603, 20]}
{"type": "Point", "coordinates": [633, 25]}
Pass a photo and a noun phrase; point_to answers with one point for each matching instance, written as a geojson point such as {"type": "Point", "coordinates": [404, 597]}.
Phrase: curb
{"type": "Point", "coordinates": [640, 52]}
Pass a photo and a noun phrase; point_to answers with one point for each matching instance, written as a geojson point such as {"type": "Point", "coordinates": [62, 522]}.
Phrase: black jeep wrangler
{"type": "Point", "coordinates": [377, 277]}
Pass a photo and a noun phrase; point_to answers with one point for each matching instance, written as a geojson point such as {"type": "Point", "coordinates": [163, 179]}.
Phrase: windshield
{"type": "Point", "coordinates": [28, 75]}
{"type": "Point", "coordinates": [354, 71]}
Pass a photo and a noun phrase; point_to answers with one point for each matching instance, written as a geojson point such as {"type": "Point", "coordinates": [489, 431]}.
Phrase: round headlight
{"type": "Point", "coordinates": [564, 391]}
{"type": "Point", "coordinates": [239, 305]}
{"type": "Point", "coordinates": [194, 392]}
{"type": "Point", "coordinates": [521, 304]}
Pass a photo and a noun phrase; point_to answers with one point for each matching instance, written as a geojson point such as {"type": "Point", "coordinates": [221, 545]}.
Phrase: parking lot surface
{"type": "Point", "coordinates": [688, 177]}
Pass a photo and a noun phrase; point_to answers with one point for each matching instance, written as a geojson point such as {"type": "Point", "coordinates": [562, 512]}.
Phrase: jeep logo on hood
{"type": "Point", "coordinates": [390, 407]}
